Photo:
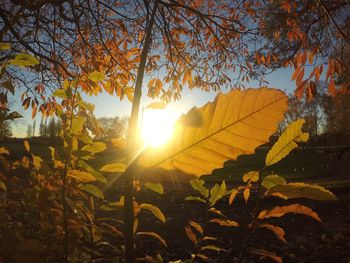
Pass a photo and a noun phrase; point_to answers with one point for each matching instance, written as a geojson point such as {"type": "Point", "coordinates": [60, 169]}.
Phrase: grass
{"type": "Point", "coordinates": [298, 165]}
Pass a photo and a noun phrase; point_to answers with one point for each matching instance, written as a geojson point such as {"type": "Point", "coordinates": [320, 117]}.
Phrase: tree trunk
{"type": "Point", "coordinates": [132, 141]}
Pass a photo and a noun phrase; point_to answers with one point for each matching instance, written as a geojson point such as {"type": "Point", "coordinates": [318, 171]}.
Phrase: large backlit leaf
{"type": "Point", "coordinates": [234, 124]}
{"type": "Point", "coordinates": [287, 142]}
{"type": "Point", "coordinates": [301, 190]}
{"type": "Point", "coordinates": [279, 211]}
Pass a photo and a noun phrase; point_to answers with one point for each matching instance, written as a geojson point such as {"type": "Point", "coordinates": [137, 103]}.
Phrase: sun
{"type": "Point", "coordinates": [157, 126]}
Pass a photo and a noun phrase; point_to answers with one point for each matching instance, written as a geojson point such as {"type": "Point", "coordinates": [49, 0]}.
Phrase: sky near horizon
{"type": "Point", "coordinates": [110, 106]}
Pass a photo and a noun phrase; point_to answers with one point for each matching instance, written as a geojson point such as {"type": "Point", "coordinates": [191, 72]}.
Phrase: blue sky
{"type": "Point", "coordinates": [110, 106]}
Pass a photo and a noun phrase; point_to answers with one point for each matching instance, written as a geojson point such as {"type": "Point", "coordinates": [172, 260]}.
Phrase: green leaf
{"type": "Point", "coordinates": [154, 210]}
{"type": "Point", "coordinates": [272, 180]}
{"type": "Point", "coordinates": [111, 206]}
{"type": "Point", "coordinates": [152, 234]}
{"type": "Point", "coordinates": [198, 185]}
{"type": "Point", "coordinates": [156, 187]}
{"type": "Point", "coordinates": [286, 142]}
{"type": "Point", "coordinates": [216, 193]}
{"type": "Point", "coordinates": [95, 147]}
{"type": "Point", "coordinates": [96, 76]}
{"type": "Point", "coordinates": [114, 168]}
{"type": "Point", "coordinates": [4, 46]}
{"type": "Point", "coordinates": [301, 190]}
{"type": "Point", "coordinates": [60, 93]}
{"type": "Point", "coordinates": [78, 124]}
{"type": "Point", "coordinates": [9, 86]}
{"type": "Point", "coordinates": [81, 176]}
{"type": "Point", "coordinates": [195, 198]}
{"type": "Point", "coordinates": [91, 189]}
{"type": "Point", "coordinates": [99, 177]}
{"type": "Point", "coordinates": [24, 60]}
{"type": "Point", "coordinates": [252, 176]}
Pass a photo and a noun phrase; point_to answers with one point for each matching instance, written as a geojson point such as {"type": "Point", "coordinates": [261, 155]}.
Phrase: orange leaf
{"type": "Point", "coordinates": [190, 234]}
{"type": "Point", "coordinates": [300, 76]}
{"type": "Point", "coordinates": [331, 88]}
{"type": "Point", "coordinates": [232, 196]}
{"type": "Point", "coordinates": [224, 222]}
{"type": "Point", "coordinates": [279, 211]}
{"type": "Point", "coordinates": [295, 73]}
{"type": "Point", "coordinates": [246, 194]}
{"type": "Point", "coordinates": [278, 231]}
{"type": "Point", "coordinates": [299, 91]}
{"type": "Point", "coordinates": [266, 253]}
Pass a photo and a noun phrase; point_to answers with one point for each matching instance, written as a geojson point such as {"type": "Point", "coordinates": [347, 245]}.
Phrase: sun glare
{"type": "Point", "coordinates": [157, 126]}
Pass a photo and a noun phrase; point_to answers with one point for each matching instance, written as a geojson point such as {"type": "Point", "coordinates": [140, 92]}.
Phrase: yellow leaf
{"type": "Point", "coordinates": [4, 46]}
{"type": "Point", "coordinates": [252, 176]}
{"type": "Point", "coordinates": [272, 180]}
{"type": "Point", "coordinates": [154, 210]}
{"type": "Point", "coordinates": [301, 190]}
{"type": "Point", "coordinates": [96, 76]}
{"type": "Point", "coordinates": [26, 146]}
{"type": "Point", "coordinates": [156, 187]}
{"type": "Point", "coordinates": [279, 211]}
{"type": "Point", "coordinates": [119, 143]}
{"type": "Point", "coordinates": [286, 142]}
{"type": "Point", "coordinates": [24, 60]}
{"type": "Point", "coordinates": [114, 168]}
{"type": "Point", "coordinates": [278, 231]}
{"type": "Point", "coordinates": [3, 150]}
{"type": "Point", "coordinates": [246, 194]}
{"type": "Point", "coordinates": [81, 176]}
{"type": "Point", "coordinates": [152, 234]}
{"type": "Point", "coordinates": [94, 147]}
{"type": "Point", "coordinates": [234, 124]}
{"type": "Point", "coordinates": [157, 106]}
{"type": "Point", "coordinates": [224, 222]}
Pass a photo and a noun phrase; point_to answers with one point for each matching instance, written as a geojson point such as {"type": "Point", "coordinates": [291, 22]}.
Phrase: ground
{"type": "Point", "coordinates": [307, 239]}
